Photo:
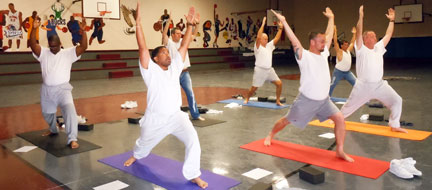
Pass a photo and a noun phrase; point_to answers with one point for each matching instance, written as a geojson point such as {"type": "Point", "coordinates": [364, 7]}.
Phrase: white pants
{"type": "Point", "coordinates": [60, 95]}
{"type": "Point", "coordinates": [179, 125]}
{"type": "Point", "coordinates": [362, 92]}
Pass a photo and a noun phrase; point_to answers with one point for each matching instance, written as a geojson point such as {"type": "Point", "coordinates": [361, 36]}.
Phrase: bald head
{"type": "Point", "coordinates": [263, 40]}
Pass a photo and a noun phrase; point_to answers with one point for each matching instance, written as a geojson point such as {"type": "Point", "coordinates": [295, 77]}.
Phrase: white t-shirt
{"type": "Point", "coordinates": [315, 74]}
{"type": "Point", "coordinates": [163, 87]}
{"type": "Point", "coordinates": [13, 19]}
{"type": "Point", "coordinates": [173, 49]}
{"type": "Point", "coordinates": [56, 68]}
{"type": "Point", "coordinates": [264, 55]}
{"type": "Point", "coordinates": [370, 62]}
{"type": "Point", "coordinates": [345, 63]}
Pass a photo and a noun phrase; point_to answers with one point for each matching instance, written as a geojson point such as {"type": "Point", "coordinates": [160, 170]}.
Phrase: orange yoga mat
{"type": "Point", "coordinates": [376, 130]}
{"type": "Point", "coordinates": [362, 166]}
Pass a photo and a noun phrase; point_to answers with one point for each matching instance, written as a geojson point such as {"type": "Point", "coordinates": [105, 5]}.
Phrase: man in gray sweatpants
{"type": "Point", "coordinates": [56, 64]}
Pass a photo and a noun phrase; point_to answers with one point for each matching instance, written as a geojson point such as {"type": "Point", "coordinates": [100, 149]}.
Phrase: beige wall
{"type": "Point", "coordinates": [306, 16]}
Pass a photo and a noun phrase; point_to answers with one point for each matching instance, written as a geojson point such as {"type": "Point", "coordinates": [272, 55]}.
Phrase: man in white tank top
{"type": "Point", "coordinates": [313, 99]}
{"type": "Point", "coordinates": [13, 25]}
{"type": "Point", "coordinates": [263, 71]}
{"type": "Point", "coordinates": [343, 61]}
{"type": "Point", "coordinates": [370, 70]}
{"type": "Point", "coordinates": [173, 45]}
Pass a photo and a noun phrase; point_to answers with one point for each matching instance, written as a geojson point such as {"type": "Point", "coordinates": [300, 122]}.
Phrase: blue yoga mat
{"type": "Point", "coordinates": [335, 99]}
{"type": "Point", "coordinates": [269, 105]}
{"type": "Point", "coordinates": [166, 173]}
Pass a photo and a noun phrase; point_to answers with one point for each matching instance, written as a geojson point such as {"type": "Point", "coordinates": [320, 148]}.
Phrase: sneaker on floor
{"type": "Point", "coordinates": [397, 169]}
{"type": "Point", "coordinates": [408, 164]}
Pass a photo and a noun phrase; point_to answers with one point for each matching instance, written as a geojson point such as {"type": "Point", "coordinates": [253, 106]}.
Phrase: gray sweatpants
{"type": "Point", "coordinates": [60, 95]}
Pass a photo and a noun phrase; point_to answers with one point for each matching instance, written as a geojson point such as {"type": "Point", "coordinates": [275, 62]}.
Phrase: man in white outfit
{"type": "Point", "coordinates": [185, 80]}
{"type": "Point", "coordinates": [263, 71]}
{"type": "Point", "coordinates": [163, 116]}
{"type": "Point", "coordinates": [313, 99]}
{"type": "Point", "coordinates": [343, 61]}
{"type": "Point", "coordinates": [56, 64]}
{"type": "Point", "coordinates": [370, 70]}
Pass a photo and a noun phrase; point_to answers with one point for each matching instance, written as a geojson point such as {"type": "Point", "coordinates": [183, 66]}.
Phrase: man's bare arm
{"type": "Point", "coordinates": [260, 31]}
{"type": "Point", "coordinates": [83, 43]}
{"type": "Point", "coordinates": [359, 37]}
{"type": "Point", "coordinates": [276, 39]}
{"type": "Point", "coordinates": [351, 45]}
{"type": "Point", "coordinates": [298, 48]}
{"type": "Point", "coordinates": [165, 32]}
{"type": "Point", "coordinates": [35, 47]}
{"type": "Point", "coordinates": [390, 28]}
{"type": "Point", "coordinates": [336, 45]}
{"type": "Point", "coordinates": [330, 26]}
{"type": "Point", "coordinates": [190, 20]}
{"type": "Point", "coordinates": [144, 53]}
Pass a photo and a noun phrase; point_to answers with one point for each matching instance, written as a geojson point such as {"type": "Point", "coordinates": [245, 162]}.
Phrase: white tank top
{"type": "Point", "coordinates": [13, 19]}
{"type": "Point", "coordinates": [345, 63]}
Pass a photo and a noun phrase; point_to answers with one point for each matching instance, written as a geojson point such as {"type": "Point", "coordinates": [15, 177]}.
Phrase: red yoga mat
{"type": "Point", "coordinates": [362, 166]}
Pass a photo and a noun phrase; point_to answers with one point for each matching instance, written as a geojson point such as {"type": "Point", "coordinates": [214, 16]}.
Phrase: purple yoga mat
{"type": "Point", "coordinates": [166, 173]}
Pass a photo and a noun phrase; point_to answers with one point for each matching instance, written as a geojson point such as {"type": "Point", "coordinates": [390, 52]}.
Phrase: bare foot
{"type": "Point", "coordinates": [130, 161]}
{"type": "Point", "coordinates": [74, 145]}
{"type": "Point", "coordinates": [246, 101]}
{"type": "Point", "coordinates": [279, 104]}
{"type": "Point", "coordinates": [200, 182]}
{"type": "Point", "coordinates": [398, 129]}
{"type": "Point", "coordinates": [267, 141]}
{"type": "Point", "coordinates": [49, 133]}
{"type": "Point", "coordinates": [344, 156]}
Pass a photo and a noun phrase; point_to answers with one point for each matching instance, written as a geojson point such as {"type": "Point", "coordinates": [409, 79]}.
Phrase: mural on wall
{"type": "Point", "coordinates": [127, 14]}
{"type": "Point", "coordinates": [206, 27]}
{"type": "Point", "coordinates": [62, 17]}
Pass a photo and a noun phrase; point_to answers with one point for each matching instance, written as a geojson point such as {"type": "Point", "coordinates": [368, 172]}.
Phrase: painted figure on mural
{"type": "Point", "coordinates": [13, 25]}
{"type": "Point", "coordinates": [98, 24]}
{"type": "Point", "coordinates": [180, 25]}
{"type": "Point", "coordinates": [217, 24]}
{"type": "Point", "coordinates": [58, 8]}
{"type": "Point", "coordinates": [164, 19]}
{"type": "Point", "coordinates": [50, 26]}
{"type": "Point", "coordinates": [74, 28]}
{"type": "Point", "coordinates": [206, 27]}
{"type": "Point", "coordinates": [2, 23]}
{"type": "Point", "coordinates": [29, 22]}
